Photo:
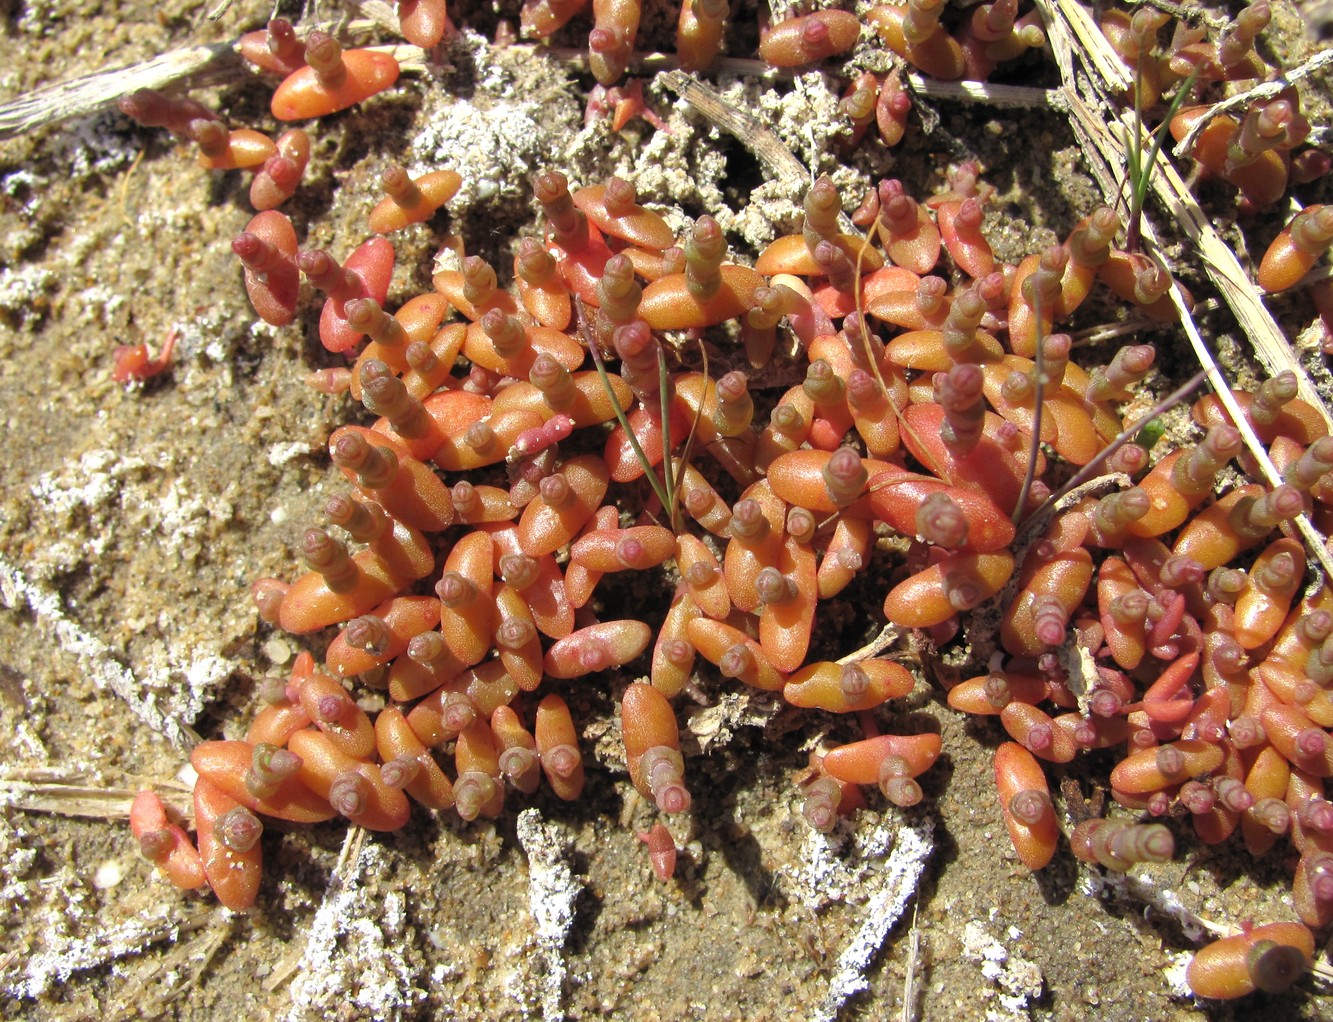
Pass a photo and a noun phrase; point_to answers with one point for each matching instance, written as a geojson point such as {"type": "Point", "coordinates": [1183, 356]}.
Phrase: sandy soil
{"type": "Point", "coordinates": [132, 521]}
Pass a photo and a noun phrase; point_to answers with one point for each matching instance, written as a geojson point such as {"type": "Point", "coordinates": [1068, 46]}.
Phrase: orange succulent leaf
{"type": "Point", "coordinates": [302, 95]}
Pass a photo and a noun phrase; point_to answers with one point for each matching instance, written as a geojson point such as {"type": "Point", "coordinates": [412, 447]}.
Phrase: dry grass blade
{"type": "Point", "coordinates": [1094, 467]}
{"type": "Point", "coordinates": [383, 14]}
{"type": "Point", "coordinates": [1104, 130]}
{"type": "Point", "coordinates": [887, 637]}
{"type": "Point", "coordinates": [1270, 344]}
{"type": "Point", "coordinates": [1141, 888]}
{"type": "Point", "coordinates": [888, 893]}
{"type": "Point", "coordinates": [191, 65]}
{"type": "Point", "coordinates": [348, 856]}
{"type": "Point", "coordinates": [1104, 133]}
{"type": "Point", "coordinates": [748, 129]}
{"type": "Point", "coordinates": [187, 67]}
{"type": "Point", "coordinates": [177, 973]}
{"type": "Point", "coordinates": [1265, 90]}
{"type": "Point", "coordinates": [1007, 97]}
{"type": "Point", "coordinates": [1071, 28]}
{"type": "Point", "coordinates": [1314, 541]}
{"type": "Point", "coordinates": [62, 794]}
{"type": "Point", "coordinates": [912, 980]}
